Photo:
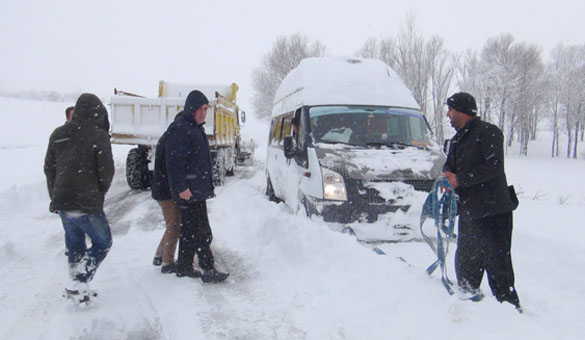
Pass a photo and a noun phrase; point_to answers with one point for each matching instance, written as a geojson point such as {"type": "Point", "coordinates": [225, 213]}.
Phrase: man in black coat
{"type": "Point", "coordinates": [475, 169]}
{"type": "Point", "coordinates": [79, 169]}
{"type": "Point", "coordinates": [188, 163]}
{"type": "Point", "coordinates": [165, 252]}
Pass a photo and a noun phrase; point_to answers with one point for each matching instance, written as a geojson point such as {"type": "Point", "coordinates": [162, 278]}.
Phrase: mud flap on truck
{"type": "Point", "coordinates": [137, 174]}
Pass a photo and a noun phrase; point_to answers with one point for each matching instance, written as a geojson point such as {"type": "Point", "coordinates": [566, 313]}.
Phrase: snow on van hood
{"type": "Point", "coordinates": [342, 81]}
{"type": "Point", "coordinates": [384, 163]}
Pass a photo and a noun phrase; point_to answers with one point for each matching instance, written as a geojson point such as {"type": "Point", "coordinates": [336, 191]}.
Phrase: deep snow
{"type": "Point", "coordinates": [291, 277]}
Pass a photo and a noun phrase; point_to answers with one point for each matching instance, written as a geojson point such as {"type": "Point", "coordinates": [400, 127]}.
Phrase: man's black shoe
{"type": "Point", "coordinates": [157, 261]}
{"type": "Point", "coordinates": [213, 276]}
{"type": "Point", "coordinates": [168, 268]}
{"type": "Point", "coordinates": [193, 273]}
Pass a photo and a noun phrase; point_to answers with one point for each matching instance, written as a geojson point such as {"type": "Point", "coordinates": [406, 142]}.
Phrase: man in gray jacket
{"type": "Point", "coordinates": [475, 169]}
{"type": "Point", "coordinates": [79, 169]}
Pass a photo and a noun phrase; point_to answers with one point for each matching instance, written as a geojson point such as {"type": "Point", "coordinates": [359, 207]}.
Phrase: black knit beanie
{"type": "Point", "coordinates": [194, 101]}
{"type": "Point", "coordinates": [463, 102]}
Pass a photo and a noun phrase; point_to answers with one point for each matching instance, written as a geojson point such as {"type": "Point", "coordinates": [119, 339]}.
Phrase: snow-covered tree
{"type": "Point", "coordinates": [442, 70]}
{"type": "Point", "coordinates": [425, 67]}
{"type": "Point", "coordinates": [568, 68]}
{"type": "Point", "coordinates": [285, 55]}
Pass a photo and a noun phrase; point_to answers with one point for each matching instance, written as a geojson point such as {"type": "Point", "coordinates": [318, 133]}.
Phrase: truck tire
{"type": "Point", "coordinates": [230, 167]}
{"type": "Point", "coordinates": [137, 174]}
{"type": "Point", "coordinates": [218, 174]}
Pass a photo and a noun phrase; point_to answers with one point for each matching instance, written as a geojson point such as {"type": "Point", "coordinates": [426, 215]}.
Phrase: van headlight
{"type": "Point", "coordinates": [333, 186]}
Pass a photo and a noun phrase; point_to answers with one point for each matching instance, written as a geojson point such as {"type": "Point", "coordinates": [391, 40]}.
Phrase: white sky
{"type": "Point", "coordinates": [76, 45]}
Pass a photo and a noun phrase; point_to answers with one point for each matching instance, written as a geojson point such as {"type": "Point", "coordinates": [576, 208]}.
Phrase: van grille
{"type": "Point", "coordinates": [421, 185]}
{"type": "Point", "coordinates": [358, 192]}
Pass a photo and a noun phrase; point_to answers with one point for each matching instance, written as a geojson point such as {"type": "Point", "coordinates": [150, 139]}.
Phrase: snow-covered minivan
{"type": "Point", "coordinates": [348, 142]}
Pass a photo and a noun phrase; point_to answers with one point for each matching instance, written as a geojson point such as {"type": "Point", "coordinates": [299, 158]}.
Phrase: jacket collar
{"type": "Point", "coordinates": [468, 126]}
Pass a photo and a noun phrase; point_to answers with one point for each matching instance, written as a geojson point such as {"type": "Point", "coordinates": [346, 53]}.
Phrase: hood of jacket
{"type": "Point", "coordinates": [89, 109]}
{"type": "Point", "coordinates": [193, 102]}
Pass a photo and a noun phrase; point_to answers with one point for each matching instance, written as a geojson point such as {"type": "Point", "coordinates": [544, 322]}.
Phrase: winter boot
{"type": "Point", "coordinates": [78, 292]}
{"type": "Point", "coordinates": [213, 276]}
{"type": "Point", "coordinates": [192, 273]}
{"type": "Point", "coordinates": [157, 261]}
{"type": "Point", "coordinates": [168, 268]}
{"type": "Point", "coordinates": [472, 294]}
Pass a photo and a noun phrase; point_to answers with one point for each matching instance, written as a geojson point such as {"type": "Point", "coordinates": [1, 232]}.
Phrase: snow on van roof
{"type": "Point", "coordinates": [170, 89]}
{"type": "Point", "coordinates": [341, 81]}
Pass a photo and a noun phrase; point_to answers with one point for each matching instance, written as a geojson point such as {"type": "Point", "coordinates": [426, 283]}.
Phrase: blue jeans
{"type": "Point", "coordinates": [84, 262]}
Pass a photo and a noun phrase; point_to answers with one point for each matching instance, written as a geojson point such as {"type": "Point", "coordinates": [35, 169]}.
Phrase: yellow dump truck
{"type": "Point", "coordinates": [140, 121]}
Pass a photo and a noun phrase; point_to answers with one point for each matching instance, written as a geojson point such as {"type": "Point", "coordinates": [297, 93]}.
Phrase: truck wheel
{"type": "Point", "coordinates": [218, 173]}
{"type": "Point", "coordinates": [137, 174]}
{"type": "Point", "coordinates": [270, 192]}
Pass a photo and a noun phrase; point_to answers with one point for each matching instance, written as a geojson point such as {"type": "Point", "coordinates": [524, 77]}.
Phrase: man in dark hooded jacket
{"type": "Point", "coordinates": [475, 169]}
{"type": "Point", "coordinates": [79, 168]}
{"type": "Point", "coordinates": [188, 164]}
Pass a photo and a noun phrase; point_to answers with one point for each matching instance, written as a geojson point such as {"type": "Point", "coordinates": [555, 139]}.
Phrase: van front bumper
{"type": "Point", "coordinates": [350, 211]}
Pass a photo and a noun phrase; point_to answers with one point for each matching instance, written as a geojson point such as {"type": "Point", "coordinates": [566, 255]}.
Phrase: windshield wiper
{"type": "Point", "coordinates": [402, 145]}
{"type": "Point", "coordinates": [336, 142]}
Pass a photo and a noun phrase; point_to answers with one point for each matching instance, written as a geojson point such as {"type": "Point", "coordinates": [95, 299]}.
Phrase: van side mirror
{"type": "Point", "coordinates": [446, 145]}
{"type": "Point", "coordinates": [289, 147]}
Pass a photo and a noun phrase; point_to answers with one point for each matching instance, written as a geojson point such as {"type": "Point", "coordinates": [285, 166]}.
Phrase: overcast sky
{"type": "Point", "coordinates": [73, 45]}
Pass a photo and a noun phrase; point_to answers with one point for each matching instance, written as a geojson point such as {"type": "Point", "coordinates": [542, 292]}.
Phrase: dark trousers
{"type": "Point", "coordinates": [195, 237]}
{"type": "Point", "coordinates": [484, 245]}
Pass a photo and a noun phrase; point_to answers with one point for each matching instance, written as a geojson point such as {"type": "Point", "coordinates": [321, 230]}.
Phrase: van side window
{"type": "Point", "coordinates": [277, 130]}
{"type": "Point", "coordinates": [286, 126]}
{"type": "Point", "coordinates": [272, 137]}
{"type": "Point", "coordinates": [281, 123]}
{"type": "Point", "coordinates": [296, 121]}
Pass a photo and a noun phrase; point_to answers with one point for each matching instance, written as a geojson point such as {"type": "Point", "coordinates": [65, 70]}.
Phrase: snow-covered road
{"type": "Point", "coordinates": [291, 277]}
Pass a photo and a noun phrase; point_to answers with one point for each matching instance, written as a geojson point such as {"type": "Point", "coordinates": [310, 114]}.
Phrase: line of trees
{"type": "Point", "coordinates": [515, 89]}
{"type": "Point", "coordinates": [49, 96]}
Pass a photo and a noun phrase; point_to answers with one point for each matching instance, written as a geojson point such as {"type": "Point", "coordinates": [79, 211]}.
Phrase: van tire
{"type": "Point", "coordinates": [307, 207]}
{"type": "Point", "coordinates": [137, 174]}
{"type": "Point", "coordinates": [270, 191]}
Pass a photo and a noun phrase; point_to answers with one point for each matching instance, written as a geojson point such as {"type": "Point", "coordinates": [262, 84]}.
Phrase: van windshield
{"type": "Point", "coordinates": [369, 126]}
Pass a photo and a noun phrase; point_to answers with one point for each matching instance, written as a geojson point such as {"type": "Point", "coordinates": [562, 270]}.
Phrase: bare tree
{"type": "Point", "coordinates": [442, 70]}
{"type": "Point", "coordinates": [528, 99]}
{"type": "Point", "coordinates": [411, 62]}
{"type": "Point", "coordinates": [500, 75]}
{"type": "Point", "coordinates": [369, 49]}
{"type": "Point", "coordinates": [569, 96]}
{"type": "Point", "coordinates": [285, 55]}
{"type": "Point", "coordinates": [425, 67]}
{"type": "Point", "coordinates": [553, 73]}
{"type": "Point", "coordinates": [472, 80]}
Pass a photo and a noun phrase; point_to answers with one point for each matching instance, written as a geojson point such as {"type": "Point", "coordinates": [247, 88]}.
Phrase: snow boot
{"type": "Point", "coordinates": [78, 297]}
{"type": "Point", "coordinates": [168, 268]}
{"type": "Point", "coordinates": [471, 294]}
{"type": "Point", "coordinates": [79, 293]}
{"type": "Point", "coordinates": [192, 273]}
{"type": "Point", "coordinates": [213, 276]}
{"type": "Point", "coordinates": [157, 261]}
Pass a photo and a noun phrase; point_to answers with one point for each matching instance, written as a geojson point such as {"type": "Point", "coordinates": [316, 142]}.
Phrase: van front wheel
{"type": "Point", "coordinates": [306, 206]}
{"type": "Point", "coordinates": [270, 191]}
